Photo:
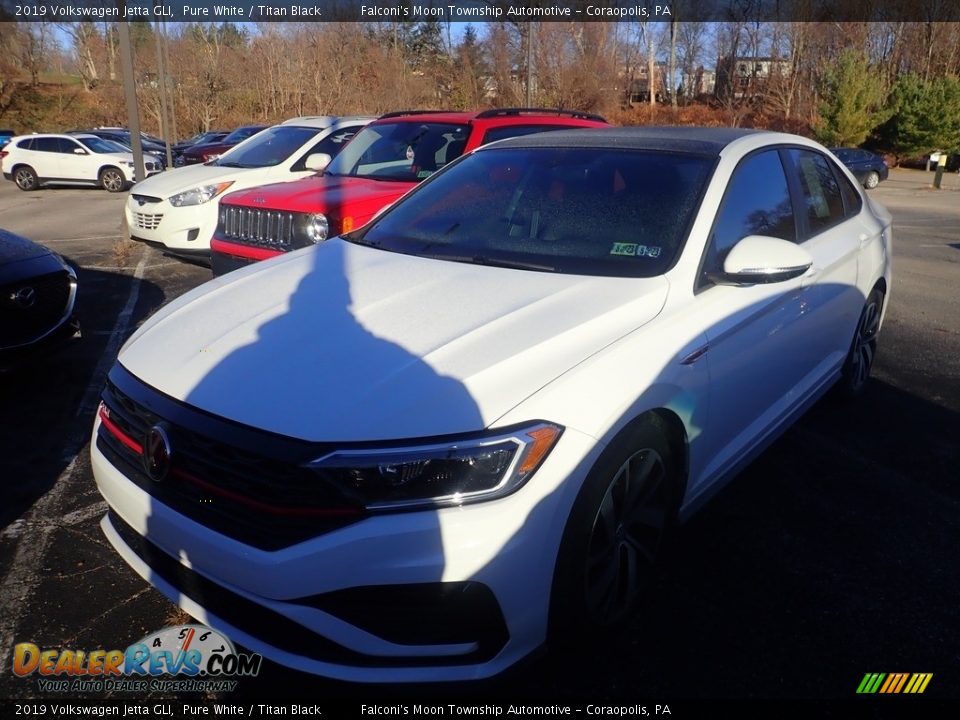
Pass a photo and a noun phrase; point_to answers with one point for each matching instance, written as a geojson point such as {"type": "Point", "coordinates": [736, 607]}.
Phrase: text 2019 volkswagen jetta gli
{"type": "Point", "coordinates": [417, 451]}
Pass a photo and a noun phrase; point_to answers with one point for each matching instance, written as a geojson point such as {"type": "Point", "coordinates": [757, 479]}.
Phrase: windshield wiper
{"type": "Point", "coordinates": [507, 263]}
{"type": "Point", "coordinates": [491, 262]}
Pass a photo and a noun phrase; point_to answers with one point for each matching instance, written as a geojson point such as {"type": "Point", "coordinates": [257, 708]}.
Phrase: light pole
{"type": "Point", "coordinates": [130, 91]}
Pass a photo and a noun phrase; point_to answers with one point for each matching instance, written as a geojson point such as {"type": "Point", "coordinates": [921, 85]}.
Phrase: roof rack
{"type": "Point", "coordinates": [503, 112]}
{"type": "Point", "coordinates": [398, 113]}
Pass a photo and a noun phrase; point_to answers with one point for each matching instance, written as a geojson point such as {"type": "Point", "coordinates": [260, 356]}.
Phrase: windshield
{"type": "Point", "coordinates": [99, 145]}
{"type": "Point", "coordinates": [270, 147]}
{"type": "Point", "coordinates": [407, 151]}
{"type": "Point", "coordinates": [584, 211]}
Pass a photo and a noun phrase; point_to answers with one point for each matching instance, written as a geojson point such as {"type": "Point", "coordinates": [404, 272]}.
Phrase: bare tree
{"type": "Point", "coordinates": [691, 44]}
{"type": "Point", "coordinates": [85, 41]}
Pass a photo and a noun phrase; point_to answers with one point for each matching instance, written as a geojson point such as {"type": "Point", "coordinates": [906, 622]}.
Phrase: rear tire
{"type": "Point", "coordinates": [112, 180]}
{"type": "Point", "coordinates": [863, 349]}
{"type": "Point", "coordinates": [26, 178]}
{"type": "Point", "coordinates": [614, 535]}
{"type": "Point", "coordinates": [871, 180]}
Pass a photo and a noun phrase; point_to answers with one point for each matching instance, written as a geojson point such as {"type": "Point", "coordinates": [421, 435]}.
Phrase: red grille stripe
{"type": "Point", "coordinates": [117, 432]}
{"type": "Point", "coordinates": [266, 507]}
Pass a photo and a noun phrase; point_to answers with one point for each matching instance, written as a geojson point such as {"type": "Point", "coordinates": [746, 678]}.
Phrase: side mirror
{"type": "Point", "coordinates": [317, 161]}
{"type": "Point", "coordinates": [758, 259]}
{"type": "Point", "coordinates": [79, 151]}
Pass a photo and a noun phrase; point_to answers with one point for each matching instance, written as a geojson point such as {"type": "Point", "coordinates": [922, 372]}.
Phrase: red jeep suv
{"type": "Point", "coordinates": [381, 163]}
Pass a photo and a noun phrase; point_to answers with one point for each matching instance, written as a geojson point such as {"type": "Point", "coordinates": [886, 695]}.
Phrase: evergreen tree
{"type": "Point", "coordinates": [854, 101]}
{"type": "Point", "coordinates": [926, 116]}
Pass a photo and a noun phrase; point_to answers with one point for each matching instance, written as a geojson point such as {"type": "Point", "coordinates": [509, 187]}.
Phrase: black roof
{"type": "Point", "coordinates": [698, 140]}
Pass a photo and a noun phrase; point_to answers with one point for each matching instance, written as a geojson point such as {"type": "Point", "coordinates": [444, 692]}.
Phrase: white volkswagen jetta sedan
{"type": "Point", "coordinates": [177, 211]}
{"type": "Point", "coordinates": [421, 450]}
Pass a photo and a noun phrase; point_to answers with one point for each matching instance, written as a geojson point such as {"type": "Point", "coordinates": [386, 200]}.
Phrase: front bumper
{"type": "Point", "coordinates": [453, 594]}
{"type": "Point", "coordinates": [226, 256]}
{"type": "Point", "coordinates": [55, 340]}
{"type": "Point", "coordinates": [157, 222]}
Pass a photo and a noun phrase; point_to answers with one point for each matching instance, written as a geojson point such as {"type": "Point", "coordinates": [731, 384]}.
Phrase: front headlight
{"type": "Point", "coordinates": [443, 474]}
{"type": "Point", "coordinates": [310, 229]}
{"type": "Point", "coordinates": [199, 195]}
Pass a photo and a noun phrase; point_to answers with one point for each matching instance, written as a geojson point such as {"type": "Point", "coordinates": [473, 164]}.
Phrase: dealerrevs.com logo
{"type": "Point", "coordinates": [200, 658]}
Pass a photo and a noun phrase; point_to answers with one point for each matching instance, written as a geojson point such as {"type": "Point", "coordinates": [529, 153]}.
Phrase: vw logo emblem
{"type": "Point", "coordinates": [25, 297]}
{"type": "Point", "coordinates": [156, 453]}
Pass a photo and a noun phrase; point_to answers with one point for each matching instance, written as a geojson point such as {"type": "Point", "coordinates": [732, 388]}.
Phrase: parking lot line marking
{"type": "Point", "coordinates": [117, 336]}
{"type": "Point", "coordinates": [23, 575]}
{"type": "Point", "coordinates": [123, 267]}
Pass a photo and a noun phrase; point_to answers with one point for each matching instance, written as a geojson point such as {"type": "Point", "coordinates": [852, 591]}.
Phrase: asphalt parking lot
{"type": "Point", "coordinates": [832, 555]}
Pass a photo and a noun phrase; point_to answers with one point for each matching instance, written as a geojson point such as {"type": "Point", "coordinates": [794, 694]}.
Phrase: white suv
{"type": "Point", "coordinates": [177, 211]}
{"type": "Point", "coordinates": [35, 160]}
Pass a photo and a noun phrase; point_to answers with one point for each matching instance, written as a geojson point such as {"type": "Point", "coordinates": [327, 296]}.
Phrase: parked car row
{"type": "Point", "coordinates": [177, 211]}
{"type": "Point", "coordinates": [298, 200]}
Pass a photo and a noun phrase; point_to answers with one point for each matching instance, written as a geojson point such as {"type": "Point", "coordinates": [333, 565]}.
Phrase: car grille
{"type": "Point", "coordinates": [147, 221]}
{"type": "Point", "coordinates": [251, 226]}
{"type": "Point", "coordinates": [263, 501]}
{"type": "Point", "coordinates": [31, 308]}
{"type": "Point", "coordinates": [152, 166]}
{"type": "Point", "coordinates": [145, 199]}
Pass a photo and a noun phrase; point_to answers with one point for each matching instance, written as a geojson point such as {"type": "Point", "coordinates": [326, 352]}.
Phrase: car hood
{"type": "Point", "coordinates": [340, 342]}
{"type": "Point", "coordinates": [323, 193]}
{"type": "Point", "coordinates": [179, 179]}
{"type": "Point", "coordinates": [14, 248]}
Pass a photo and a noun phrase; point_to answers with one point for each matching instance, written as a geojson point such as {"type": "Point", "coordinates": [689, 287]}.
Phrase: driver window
{"type": "Point", "coordinates": [757, 202]}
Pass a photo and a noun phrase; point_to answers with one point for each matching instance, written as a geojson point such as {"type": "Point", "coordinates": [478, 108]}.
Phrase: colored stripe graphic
{"type": "Point", "coordinates": [871, 683]}
{"type": "Point", "coordinates": [894, 683]}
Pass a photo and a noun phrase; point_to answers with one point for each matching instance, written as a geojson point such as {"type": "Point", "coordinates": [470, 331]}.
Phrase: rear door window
{"type": "Point", "coordinates": [46, 144]}
{"type": "Point", "coordinates": [821, 192]}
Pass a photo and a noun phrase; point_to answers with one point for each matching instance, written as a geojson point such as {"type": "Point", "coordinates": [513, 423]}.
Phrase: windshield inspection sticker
{"type": "Point", "coordinates": [634, 250]}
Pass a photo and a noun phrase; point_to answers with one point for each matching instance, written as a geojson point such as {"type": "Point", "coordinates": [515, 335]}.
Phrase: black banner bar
{"type": "Point", "coordinates": [382, 709]}
{"type": "Point", "coordinates": [482, 10]}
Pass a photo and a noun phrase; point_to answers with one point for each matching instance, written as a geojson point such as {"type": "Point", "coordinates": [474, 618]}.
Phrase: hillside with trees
{"type": "Point", "coordinates": [893, 86]}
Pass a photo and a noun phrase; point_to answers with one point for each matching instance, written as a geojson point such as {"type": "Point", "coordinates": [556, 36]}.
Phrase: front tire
{"type": "Point", "coordinates": [614, 534]}
{"type": "Point", "coordinates": [863, 349]}
{"type": "Point", "coordinates": [112, 180]}
{"type": "Point", "coordinates": [26, 178]}
{"type": "Point", "coordinates": [871, 180]}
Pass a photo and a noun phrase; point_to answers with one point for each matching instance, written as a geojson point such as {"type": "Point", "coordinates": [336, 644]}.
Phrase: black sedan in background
{"type": "Point", "coordinates": [37, 295]}
{"type": "Point", "coordinates": [867, 167]}
{"type": "Point", "coordinates": [211, 136]}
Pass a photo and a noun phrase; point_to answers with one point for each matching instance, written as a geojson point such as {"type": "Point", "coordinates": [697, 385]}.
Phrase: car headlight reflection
{"type": "Point", "coordinates": [310, 229]}
{"type": "Point", "coordinates": [199, 195]}
{"type": "Point", "coordinates": [438, 475]}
